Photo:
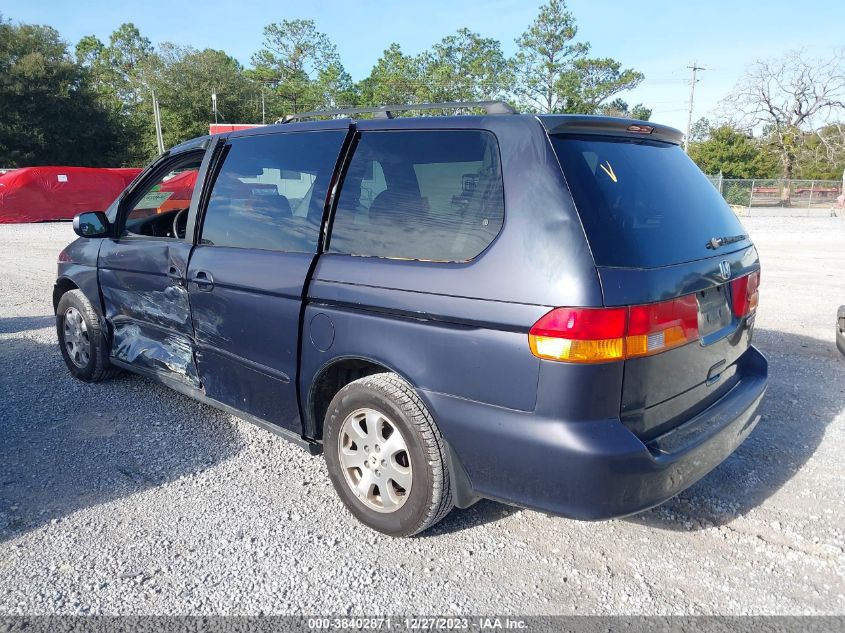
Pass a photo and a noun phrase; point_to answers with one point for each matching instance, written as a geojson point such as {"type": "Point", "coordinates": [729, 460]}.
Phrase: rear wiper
{"type": "Point", "coordinates": [718, 242]}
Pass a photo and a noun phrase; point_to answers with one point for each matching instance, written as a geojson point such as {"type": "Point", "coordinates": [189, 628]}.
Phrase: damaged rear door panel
{"type": "Point", "coordinates": [257, 242]}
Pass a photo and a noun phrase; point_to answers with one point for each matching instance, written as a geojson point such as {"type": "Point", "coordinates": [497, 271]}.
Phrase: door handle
{"type": "Point", "coordinates": [203, 280]}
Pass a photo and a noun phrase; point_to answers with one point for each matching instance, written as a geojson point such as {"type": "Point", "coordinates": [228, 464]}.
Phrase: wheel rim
{"type": "Point", "coordinates": [77, 343]}
{"type": "Point", "coordinates": [375, 460]}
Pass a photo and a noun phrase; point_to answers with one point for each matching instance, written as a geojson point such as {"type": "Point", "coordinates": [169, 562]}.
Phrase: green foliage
{"type": "Point", "coordinates": [734, 154]}
{"type": "Point", "coordinates": [619, 108]}
{"type": "Point", "coordinates": [301, 65]}
{"type": "Point", "coordinates": [44, 94]}
{"type": "Point", "coordinates": [395, 78]}
{"type": "Point", "coordinates": [738, 194]}
{"type": "Point", "coordinates": [464, 67]}
{"type": "Point", "coordinates": [553, 72]}
{"type": "Point", "coordinates": [700, 130]}
{"type": "Point", "coordinates": [184, 81]}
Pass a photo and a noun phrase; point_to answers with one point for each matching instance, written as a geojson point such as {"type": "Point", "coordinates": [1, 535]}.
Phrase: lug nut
{"type": "Point", "coordinates": [378, 473]}
{"type": "Point", "coordinates": [378, 448]}
{"type": "Point", "coordinates": [384, 462]}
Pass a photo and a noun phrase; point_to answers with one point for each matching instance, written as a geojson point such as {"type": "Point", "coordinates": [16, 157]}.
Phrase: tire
{"type": "Point", "coordinates": [81, 340]}
{"type": "Point", "coordinates": [364, 411]}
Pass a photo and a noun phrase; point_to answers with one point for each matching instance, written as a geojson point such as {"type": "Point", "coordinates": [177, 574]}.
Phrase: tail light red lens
{"type": "Point", "coordinates": [746, 294]}
{"type": "Point", "coordinates": [657, 327]}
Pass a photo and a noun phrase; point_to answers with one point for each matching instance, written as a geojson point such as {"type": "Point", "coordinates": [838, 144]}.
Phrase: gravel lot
{"type": "Point", "coordinates": [127, 498]}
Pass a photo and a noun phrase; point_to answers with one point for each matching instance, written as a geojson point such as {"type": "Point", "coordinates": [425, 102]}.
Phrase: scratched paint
{"type": "Point", "coordinates": [168, 308]}
{"type": "Point", "coordinates": [171, 354]}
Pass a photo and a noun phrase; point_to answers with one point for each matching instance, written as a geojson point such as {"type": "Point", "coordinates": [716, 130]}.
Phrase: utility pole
{"type": "Point", "coordinates": [695, 68]}
{"type": "Point", "coordinates": [263, 113]}
{"type": "Point", "coordinates": [157, 118]}
{"type": "Point", "coordinates": [214, 102]}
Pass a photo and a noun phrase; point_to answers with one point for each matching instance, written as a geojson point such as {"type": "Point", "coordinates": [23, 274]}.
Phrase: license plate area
{"type": "Point", "coordinates": [714, 311]}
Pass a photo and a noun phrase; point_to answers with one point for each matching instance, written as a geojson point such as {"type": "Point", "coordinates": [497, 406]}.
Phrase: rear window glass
{"type": "Point", "coordinates": [643, 203]}
{"type": "Point", "coordinates": [424, 195]}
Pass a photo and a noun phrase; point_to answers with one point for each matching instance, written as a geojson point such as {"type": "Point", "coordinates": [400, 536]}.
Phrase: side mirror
{"type": "Point", "coordinates": [91, 224]}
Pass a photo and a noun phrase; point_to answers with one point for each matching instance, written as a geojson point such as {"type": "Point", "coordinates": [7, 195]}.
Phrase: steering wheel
{"type": "Point", "coordinates": [181, 217]}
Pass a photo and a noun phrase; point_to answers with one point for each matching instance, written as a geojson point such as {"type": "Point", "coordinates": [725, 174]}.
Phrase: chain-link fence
{"type": "Point", "coordinates": [796, 194]}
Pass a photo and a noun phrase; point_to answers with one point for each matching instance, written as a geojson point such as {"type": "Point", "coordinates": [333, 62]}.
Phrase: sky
{"type": "Point", "coordinates": [658, 38]}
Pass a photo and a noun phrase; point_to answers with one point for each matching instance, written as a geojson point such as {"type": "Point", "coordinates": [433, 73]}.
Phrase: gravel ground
{"type": "Point", "coordinates": [127, 498]}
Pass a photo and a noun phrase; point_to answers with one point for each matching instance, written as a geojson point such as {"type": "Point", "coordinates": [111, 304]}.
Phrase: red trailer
{"type": "Point", "coordinates": [37, 194]}
{"type": "Point", "coordinates": [221, 128]}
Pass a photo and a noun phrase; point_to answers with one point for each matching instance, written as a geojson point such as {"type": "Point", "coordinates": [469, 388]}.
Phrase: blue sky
{"type": "Point", "coordinates": [658, 38]}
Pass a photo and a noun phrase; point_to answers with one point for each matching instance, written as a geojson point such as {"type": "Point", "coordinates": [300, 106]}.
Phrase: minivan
{"type": "Point", "coordinates": [551, 311]}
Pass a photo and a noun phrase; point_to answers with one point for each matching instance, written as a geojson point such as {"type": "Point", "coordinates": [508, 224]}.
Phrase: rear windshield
{"type": "Point", "coordinates": [643, 203]}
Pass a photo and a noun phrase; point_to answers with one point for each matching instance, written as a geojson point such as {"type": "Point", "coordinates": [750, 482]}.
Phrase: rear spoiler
{"type": "Point", "coordinates": [609, 126]}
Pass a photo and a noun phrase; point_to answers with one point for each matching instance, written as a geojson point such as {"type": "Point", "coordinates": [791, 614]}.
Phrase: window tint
{"type": "Point", "coordinates": [434, 195]}
{"type": "Point", "coordinates": [643, 203]}
{"type": "Point", "coordinates": [271, 190]}
{"type": "Point", "coordinates": [169, 193]}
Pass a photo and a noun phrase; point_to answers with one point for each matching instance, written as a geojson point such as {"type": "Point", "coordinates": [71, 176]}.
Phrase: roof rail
{"type": "Point", "coordinates": [386, 111]}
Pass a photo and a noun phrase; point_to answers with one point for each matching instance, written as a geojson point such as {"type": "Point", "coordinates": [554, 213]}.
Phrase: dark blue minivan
{"type": "Point", "coordinates": [552, 311]}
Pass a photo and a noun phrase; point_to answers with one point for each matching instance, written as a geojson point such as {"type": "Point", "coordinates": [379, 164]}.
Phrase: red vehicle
{"type": "Point", "coordinates": [38, 194]}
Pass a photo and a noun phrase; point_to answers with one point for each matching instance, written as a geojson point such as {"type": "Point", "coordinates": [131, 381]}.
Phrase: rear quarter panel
{"type": "Point", "coordinates": [460, 329]}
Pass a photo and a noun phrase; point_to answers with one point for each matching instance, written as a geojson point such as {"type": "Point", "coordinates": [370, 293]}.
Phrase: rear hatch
{"type": "Point", "coordinates": [667, 245]}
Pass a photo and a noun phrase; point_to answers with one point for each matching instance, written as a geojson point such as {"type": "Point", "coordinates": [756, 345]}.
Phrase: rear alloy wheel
{"type": "Point", "coordinates": [375, 461]}
{"type": "Point", "coordinates": [385, 456]}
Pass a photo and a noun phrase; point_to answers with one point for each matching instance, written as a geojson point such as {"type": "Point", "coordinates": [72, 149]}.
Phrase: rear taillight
{"type": "Point", "coordinates": [596, 335]}
{"type": "Point", "coordinates": [657, 327]}
{"type": "Point", "coordinates": [580, 335]}
{"type": "Point", "coordinates": [746, 294]}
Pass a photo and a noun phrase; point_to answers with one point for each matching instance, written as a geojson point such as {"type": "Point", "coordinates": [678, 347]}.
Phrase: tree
{"type": "Point", "coordinates": [732, 153]}
{"type": "Point", "coordinates": [553, 72]}
{"type": "Point", "coordinates": [49, 112]}
{"type": "Point", "coordinates": [120, 74]}
{"type": "Point", "coordinates": [184, 79]}
{"type": "Point", "coordinates": [395, 78]}
{"type": "Point", "coordinates": [789, 96]}
{"type": "Point", "coordinates": [822, 154]}
{"type": "Point", "coordinates": [592, 81]}
{"type": "Point", "coordinates": [700, 130]}
{"type": "Point", "coordinates": [464, 67]}
{"type": "Point", "coordinates": [546, 53]}
{"type": "Point", "coordinates": [293, 57]}
{"type": "Point", "coordinates": [618, 107]}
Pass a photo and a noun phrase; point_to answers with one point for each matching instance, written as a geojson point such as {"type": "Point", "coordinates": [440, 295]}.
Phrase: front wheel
{"type": "Point", "coordinates": [385, 456]}
{"type": "Point", "coordinates": [81, 340]}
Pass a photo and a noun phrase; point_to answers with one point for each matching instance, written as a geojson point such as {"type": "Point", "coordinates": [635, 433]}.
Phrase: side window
{"type": "Point", "coordinates": [271, 190]}
{"type": "Point", "coordinates": [424, 195]}
{"type": "Point", "coordinates": [154, 209]}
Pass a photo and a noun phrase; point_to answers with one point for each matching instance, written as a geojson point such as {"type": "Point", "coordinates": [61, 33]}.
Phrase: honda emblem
{"type": "Point", "coordinates": [724, 270]}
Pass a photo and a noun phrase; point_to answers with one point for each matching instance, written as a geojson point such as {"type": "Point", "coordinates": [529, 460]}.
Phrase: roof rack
{"type": "Point", "coordinates": [386, 111]}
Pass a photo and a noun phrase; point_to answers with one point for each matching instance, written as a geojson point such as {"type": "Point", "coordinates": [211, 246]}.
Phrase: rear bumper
{"type": "Point", "coordinates": [594, 469]}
